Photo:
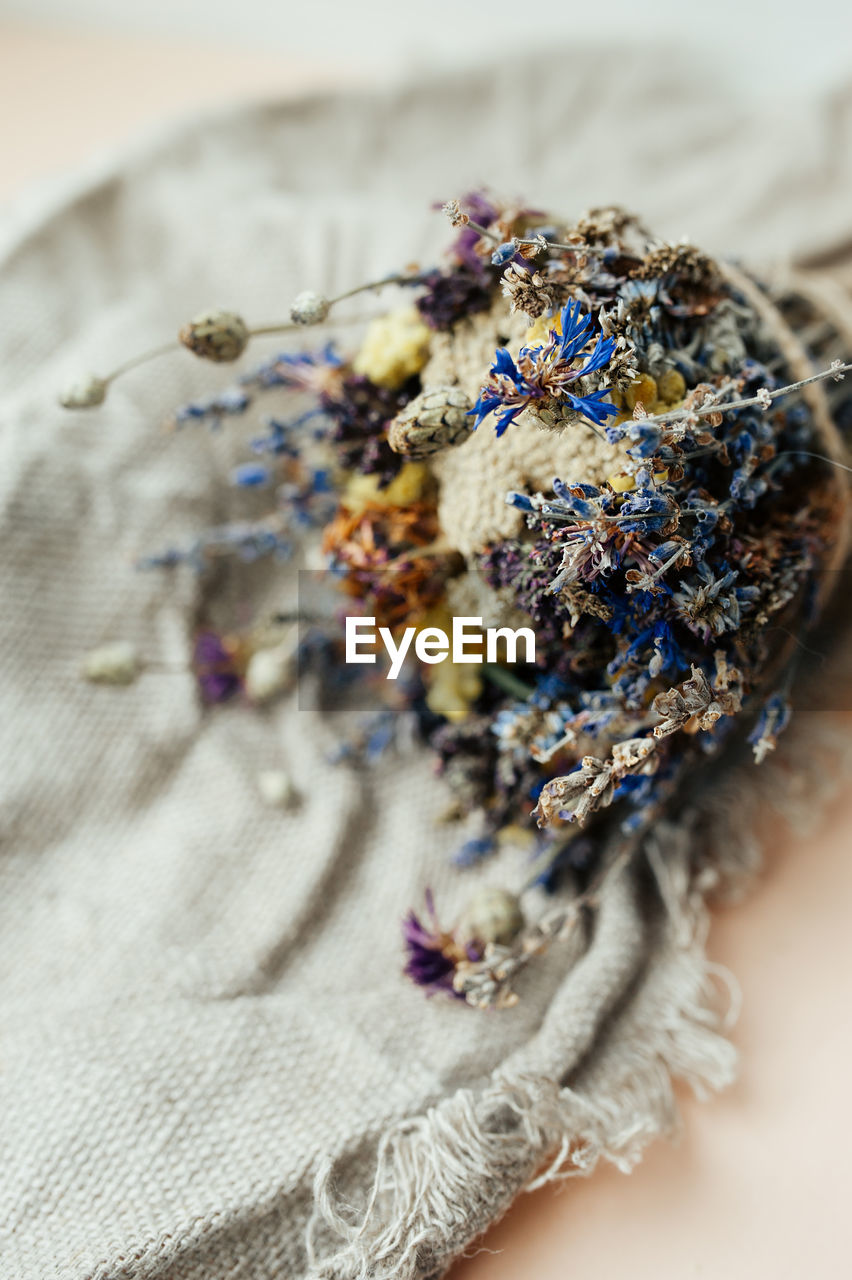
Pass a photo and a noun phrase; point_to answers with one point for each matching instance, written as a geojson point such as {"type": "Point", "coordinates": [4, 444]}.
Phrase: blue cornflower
{"type": "Point", "coordinates": [545, 374]}
{"type": "Point", "coordinates": [592, 406]}
{"type": "Point", "coordinates": [576, 331]}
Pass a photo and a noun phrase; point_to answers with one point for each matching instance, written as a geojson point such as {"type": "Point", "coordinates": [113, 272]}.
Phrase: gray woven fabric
{"type": "Point", "coordinates": [200, 999]}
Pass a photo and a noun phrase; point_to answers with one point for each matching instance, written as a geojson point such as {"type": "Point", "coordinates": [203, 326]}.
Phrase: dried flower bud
{"type": "Point", "coordinates": [531, 248]}
{"type": "Point", "coordinates": [269, 672]}
{"type": "Point", "coordinates": [276, 789]}
{"type": "Point", "coordinates": [116, 663]}
{"type": "Point", "coordinates": [503, 253]}
{"type": "Point", "coordinates": [86, 393]}
{"type": "Point", "coordinates": [454, 213]}
{"type": "Point", "coordinates": [309, 308]}
{"type": "Point", "coordinates": [434, 420]}
{"type": "Point", "coordinates": [493, 915]}
{"type": "Point", "coordinates": [220, 336]}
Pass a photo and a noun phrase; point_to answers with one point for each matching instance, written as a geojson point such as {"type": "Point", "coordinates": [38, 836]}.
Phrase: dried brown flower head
{"type": "Point", "coordinates": [528, 291]}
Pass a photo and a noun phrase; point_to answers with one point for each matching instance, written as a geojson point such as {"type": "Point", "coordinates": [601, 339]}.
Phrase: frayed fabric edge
{"type": "Point", "coordinates": [444, 1176]}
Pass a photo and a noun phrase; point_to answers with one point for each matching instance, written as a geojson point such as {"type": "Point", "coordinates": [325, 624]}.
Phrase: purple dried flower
{"type": "Point", "coordinates": [452, 295]}
{"type": "Point", "coordinates": [433, 953]}
{"type": "Point", "coordinates": [216, 667]}
{"type": "Point", "coordinates": [478, 207]}
{"type": "Point", "coordinates": [361, 413]}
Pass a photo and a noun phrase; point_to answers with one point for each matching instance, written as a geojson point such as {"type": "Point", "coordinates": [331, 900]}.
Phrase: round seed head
{"type": "Point", "coordinates": [116, 663]}
{"type": "Point", "coordinates": [85, 393]}
{"type": "Point", "coordinates": [216, 335]}
{"type": "Point", "coordinates": [309, 308]}
{"type": "Point", "coordinates": [493, 915]}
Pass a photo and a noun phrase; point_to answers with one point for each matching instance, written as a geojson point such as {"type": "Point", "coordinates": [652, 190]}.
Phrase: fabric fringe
{"type": "Point", "coordinates": [444, 1176]}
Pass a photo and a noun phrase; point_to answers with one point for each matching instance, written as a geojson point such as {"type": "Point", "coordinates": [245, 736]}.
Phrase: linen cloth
{"type": "Point", "coordinates": [201, 1003]}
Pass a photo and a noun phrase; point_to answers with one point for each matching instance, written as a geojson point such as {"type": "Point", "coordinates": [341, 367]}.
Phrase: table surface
{"type": "Point", "coordinates": [759, 1183]}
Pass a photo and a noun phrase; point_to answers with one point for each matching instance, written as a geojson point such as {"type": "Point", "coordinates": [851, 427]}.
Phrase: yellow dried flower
{"type": "Point", "coordinates": [623, 482]}
{"type": "Point", "coordinates": [453, 688]}
{"type": "Point", "coordinates": [539, 331]}
{"type": "Point", "coordinates": [407, 487]}
{"type": "Point", "coordinates": [395, 347]}
{"type": "Point", "coordinates": [671, 387]}
{"type": "Point", "coordinates": [643, 391]}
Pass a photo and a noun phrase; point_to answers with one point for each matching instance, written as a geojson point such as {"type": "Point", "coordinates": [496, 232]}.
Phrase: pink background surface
{"type": "Point", "coordinates": [759, 1184]}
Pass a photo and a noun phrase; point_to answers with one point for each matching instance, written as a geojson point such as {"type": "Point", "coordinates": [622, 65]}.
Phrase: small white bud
{"type": "Point", "coordinates": [309, 308]}
{"type": "Point", "coordinates": [86, 393]}
{"type": "Point", "coordinates": [276, 789]}
{"type": "Point", "coordinates": [269, 672]}
{"type": "Point", "coordinates": [116, 663]}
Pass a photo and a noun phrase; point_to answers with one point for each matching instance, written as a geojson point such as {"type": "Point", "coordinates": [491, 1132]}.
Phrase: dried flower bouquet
{"type": "Point", "coordinates": [619, 441]}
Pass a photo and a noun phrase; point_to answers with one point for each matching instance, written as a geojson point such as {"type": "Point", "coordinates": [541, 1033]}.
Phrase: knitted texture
{"type": "Point", "coordinates": [476, 476]}
{"type": "Point", "coordinates": [207, 1046]}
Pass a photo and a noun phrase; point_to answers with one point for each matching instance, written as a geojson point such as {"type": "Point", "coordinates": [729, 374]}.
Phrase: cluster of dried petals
{"type": "Point", "coordinates": [695, 703]}
{"type": "Point", "coordinates": [577, 795]}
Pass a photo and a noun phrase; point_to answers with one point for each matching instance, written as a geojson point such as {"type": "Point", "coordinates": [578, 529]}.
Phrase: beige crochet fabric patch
{"type": "Point", "coordinates": [476, 476]}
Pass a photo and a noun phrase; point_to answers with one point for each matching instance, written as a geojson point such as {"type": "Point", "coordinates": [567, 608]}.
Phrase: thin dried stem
{"type": "Point", "coordinates": [836, 370]}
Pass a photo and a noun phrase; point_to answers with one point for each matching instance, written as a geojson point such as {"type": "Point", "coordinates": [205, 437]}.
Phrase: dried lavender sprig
{"type": "Point", "coordinates": [836, 371]}
{"type": "Point", "coordinates": [579, 247]}
{"type": "Point", "coordinates": [518, 241]}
